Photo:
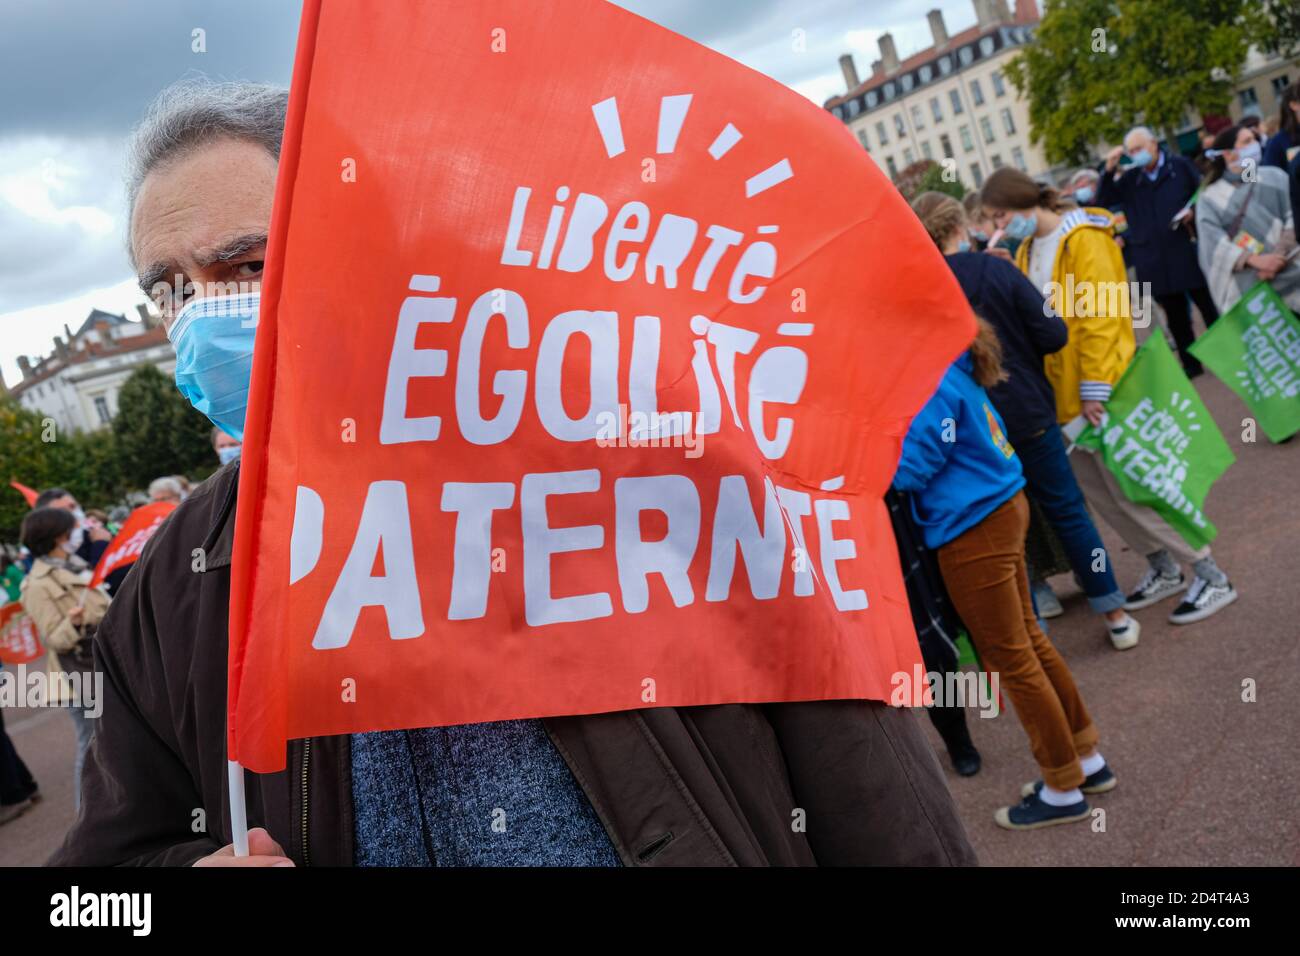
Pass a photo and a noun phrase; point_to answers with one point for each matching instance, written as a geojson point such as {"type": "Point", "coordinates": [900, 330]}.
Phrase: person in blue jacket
{"type": "Point", "coordinates": [1283, 147]}
{"type": "Point", "coordinates": [968, 498]}
{"type": "Point", "coordinates": [1027, 331]}
{"type": "Point", "coordinates": [1154, 190]}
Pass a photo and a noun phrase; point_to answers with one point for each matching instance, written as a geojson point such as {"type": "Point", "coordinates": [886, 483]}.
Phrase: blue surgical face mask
{"type": "Point", "coordinates": [979, 235]}
{"type": "Point", "coordinates": [213, 337]}
{"type": "Point", "coordinates": [229, 453]}
{"type": "Point", "coordinates": [963, 245]}
{"type": "Point", "coordinates": [1022, 226]}
{"type": "Point", "coordinates": [1250, 154]}
{"type": "Point", "coordinates": [1142, 158]}
{"type": "Point", "coordinates": [1085, 195]}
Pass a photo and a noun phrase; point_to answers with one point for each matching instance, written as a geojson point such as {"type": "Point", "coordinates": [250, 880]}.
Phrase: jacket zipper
{"type": "Point", "coordinates": [306, 762]}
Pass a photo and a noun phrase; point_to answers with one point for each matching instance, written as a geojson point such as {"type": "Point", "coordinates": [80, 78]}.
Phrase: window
{"type": "Point", "coordinates": [986, 129]}
{"type": "Point", "coordinates": [855, 107]}
{"type": "Point", "coordinates": [906, 82]}
{"type": "Point", "coordinates": [976, 175]}
{"type": "Point", "coordinates": [881, 134]}
{"type": "Point", "coordinates": [1018, 157]}
{"type": "Point", "coordinates": [999, 86]}
{"type": "Point", "coordinates": [996, 160]}
{"type": "Point", "coordinates": [893, 170]}
{"type": "Point", "coordinates": [838, 111]}
{"type": "Point", "coordinates": [101, 406]}
{"type": "Point", "coordinates": [967, 141]}
{"type": "Point", "coordinates": [966, 54]}
{"type": "Point", "coordinates": [926, 73]}
{"type": "Point", "coordinates": [918, 117]}
{"type": "Point", "coordinates": [936, 110]}
{"type": "Point", "coordinates": [899, 126]}
{"type": "Point", "coordinates": [1008, 122]}
{"type": "Point", "coordinates": [1280, 83]}
{"type": "Point", "coordinates": [872, 99]}
{"type": "Point", "coordinates": [986, 46]}
{"type": "Point", "coordinates": [945, 66]}
{"type": "Point", "coordinates": [954, 97]}
{"type": "Point", "coordinates": [946, 145]}
{"type": "Point", "coordinates": [862, 135]}
{"type": "Point", "coordinates": [977, 92]}
{"type": "Point", "coordinates": [909, 157]}
{"type": "Point", "coordinates": [1249, 98]}
{"type": "Point", "coordinates": [925, 150]}
{"type": "Point", "coordinates": [889, 90]}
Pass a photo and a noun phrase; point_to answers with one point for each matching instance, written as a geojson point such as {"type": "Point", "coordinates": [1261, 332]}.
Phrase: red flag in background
{"type": "Point", "coordinates": [29, 493]}
{"type": "Point", "coordinates": [585, 359]}
{"type": "Point", "coordinates": [19, 641]}
{"type": "Point", "coordinates": [130, 539]}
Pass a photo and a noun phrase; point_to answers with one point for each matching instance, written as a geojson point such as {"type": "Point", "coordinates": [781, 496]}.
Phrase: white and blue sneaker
{"type": "Point", "coordinates": [1032, 814]}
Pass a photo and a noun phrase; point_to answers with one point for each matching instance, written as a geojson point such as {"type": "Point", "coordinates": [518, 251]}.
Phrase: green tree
{"type": "Point", "coordinates": [1099, 67]}
{"type": "Point", "coordinates": [157, 432]}
{"type": "Point", "coordinates": [26, 440]}
{"type": "Point", "coordinates": [926, 175]}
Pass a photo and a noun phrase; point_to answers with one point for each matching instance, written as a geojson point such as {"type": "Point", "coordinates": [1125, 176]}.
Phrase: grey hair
{"type": "Point", "coordinates": [194, 111]}
{"type": "Point", "coordinates": [1144, 131]}
{"type": "Point", "coordinates": [1086, 173]}
{"type": "Point", "coordinates": [166, 486]}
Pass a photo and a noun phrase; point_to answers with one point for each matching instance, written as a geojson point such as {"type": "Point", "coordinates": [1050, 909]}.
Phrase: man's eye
{"type": "Point", "coordinates": [247, 270]}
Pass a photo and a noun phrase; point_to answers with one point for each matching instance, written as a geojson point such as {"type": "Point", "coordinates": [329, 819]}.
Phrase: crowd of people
{"type": "Point", "coordinates": [51, 574]}
{"type": "Point", "coordinates": [999, 429]}
{"type": "Point", "coordinates": [992, 449]}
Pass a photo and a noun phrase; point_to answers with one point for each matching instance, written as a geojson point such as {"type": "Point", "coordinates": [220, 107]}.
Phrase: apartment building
{"type": "Point", "coordinates": [949, 102]}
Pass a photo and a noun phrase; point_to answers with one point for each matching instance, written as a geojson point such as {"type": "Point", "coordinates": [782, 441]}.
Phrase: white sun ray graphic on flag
{"type": "Point", "coordinates": [672, 115]}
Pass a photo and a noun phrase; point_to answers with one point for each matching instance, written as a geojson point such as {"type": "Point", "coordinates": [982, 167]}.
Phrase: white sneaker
{"type": "Point", "coordinates": [1125, 634]}
{"type": "Point", "coordinates": [1201, 600]}
{"type": "Point", "coordinates": [1153, 587]}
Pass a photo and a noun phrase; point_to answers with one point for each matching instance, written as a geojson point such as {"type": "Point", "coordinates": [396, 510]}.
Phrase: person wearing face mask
{"type": "Point", "coordinates": [1071, 256]}
{"type": "Point", "coordinates": [227, 446]}
{"type": "Point", "coordinates": [1245, 222]}
{"type": "Point", "coordinates": [66, 612]}
{"type": "Point", "coordinates": [1028, 333]}
{"type": "Point", "coordinates": [1155, 190]}
{"type": "Point", "coordinates": [663, 786]}
{"type": "Point", "coordinates": [1283, 147]}
{"type": "Point", "coordinates": [91, 542]}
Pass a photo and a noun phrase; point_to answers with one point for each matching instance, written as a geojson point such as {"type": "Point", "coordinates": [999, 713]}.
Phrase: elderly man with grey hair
{"type": "Point", "coordinates": [820, 782]}
{"type": "Point", "coordinates": [1155, 189]}
{"type": "Point", "coordinates": [166, 488]}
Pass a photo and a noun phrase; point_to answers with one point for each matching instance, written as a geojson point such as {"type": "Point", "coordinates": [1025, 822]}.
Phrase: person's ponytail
{"type": "Point", "coordinates": [986, 356]}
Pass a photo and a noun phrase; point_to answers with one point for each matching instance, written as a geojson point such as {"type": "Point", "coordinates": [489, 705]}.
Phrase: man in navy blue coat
{"type": "Point", "coordinates": [1153, 190]}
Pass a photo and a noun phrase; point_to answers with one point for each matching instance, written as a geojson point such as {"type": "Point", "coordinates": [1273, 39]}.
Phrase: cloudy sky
{"type": "Point", "coordinates": [77, 73]}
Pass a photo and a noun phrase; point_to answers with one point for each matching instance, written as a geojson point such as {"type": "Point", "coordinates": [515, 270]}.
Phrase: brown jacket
{"type": "Point", "coordinates": [49, 592]}
{"type": "Point", "coordinates": [705, 786]}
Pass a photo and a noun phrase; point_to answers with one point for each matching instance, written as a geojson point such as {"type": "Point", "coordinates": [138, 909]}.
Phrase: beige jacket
{"type": "Point", "coordinates": [49, 592]}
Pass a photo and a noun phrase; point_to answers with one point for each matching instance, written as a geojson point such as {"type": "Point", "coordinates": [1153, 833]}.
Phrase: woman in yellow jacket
{"type": "Point", "coordinates": [66, 610]}
{"type": "Point", "coordinates": [1070, 254]}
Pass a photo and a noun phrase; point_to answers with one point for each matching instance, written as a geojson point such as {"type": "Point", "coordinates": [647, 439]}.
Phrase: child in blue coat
{"type": "Point", "coordinates": [968, 499]}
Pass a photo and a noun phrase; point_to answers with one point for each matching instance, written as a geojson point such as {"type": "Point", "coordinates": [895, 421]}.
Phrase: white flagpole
{"type": "Point", "coordinates": [238, 810]}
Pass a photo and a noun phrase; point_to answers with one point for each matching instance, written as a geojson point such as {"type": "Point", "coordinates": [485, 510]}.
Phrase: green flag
{"type": "Point", "coordinates": [1160, 442]}
{"type": "Point", "coordinates": [1255, 348]}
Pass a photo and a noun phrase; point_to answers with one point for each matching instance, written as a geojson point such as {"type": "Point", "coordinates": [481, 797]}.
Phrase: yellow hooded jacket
{"type": "Point", "coordinates": [1090, 292]}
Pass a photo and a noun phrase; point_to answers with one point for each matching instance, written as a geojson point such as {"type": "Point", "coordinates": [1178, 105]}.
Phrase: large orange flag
{"type": "Point", "coordinates": [584, 360]}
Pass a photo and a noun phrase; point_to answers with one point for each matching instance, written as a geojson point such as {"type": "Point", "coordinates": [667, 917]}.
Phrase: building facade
{"type": "Point", "coordinates": [78, 383]}
{"type": "Point", "coordinates": [950, 102]}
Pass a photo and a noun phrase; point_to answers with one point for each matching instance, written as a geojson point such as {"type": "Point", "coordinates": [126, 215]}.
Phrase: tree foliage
{"type": "Point", "coordinates": [925, 176]}
{"type": "Point", "coordinates": [1099, 67]}
{"type": "Point", "coordinates": [157, 431]}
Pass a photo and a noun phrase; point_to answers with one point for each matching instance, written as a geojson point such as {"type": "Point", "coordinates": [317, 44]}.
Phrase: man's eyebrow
{"type": "Point", "coordinates": [230, 250]}
{"type": "Point", "coordinates": [151, 277]}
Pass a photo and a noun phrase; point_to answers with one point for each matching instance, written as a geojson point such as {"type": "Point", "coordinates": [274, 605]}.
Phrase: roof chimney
{"type": "Point", "coordinates": [850, 70]}
{"type": "Point", "coordinates": [60, 347]}
{"type": "Point", "coordinates": [25, 366]}
{"type": "Point", "coordinates": [888, 55]}
{"type": "Point", "coordinates": [938, 29]}
{"type": "Point", "coordinates": [876, 68]}
{"type": "Point", "coordinates": [1026, 11]}
{"type": "Point", "coordinates": [146, 314]}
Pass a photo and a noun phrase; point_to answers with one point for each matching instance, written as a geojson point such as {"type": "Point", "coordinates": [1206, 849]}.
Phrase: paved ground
{"type": "Point", "coordinates": [1206, 779]}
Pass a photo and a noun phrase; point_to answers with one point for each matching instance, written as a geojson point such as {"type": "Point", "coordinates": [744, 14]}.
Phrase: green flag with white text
{"type": "Point", "coordinates": [1254, 348]}
{"type": "Point", "coordinates": [1160, 442]}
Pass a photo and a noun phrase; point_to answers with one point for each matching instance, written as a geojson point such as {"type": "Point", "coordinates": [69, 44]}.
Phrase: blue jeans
{"type": "Point", "coordinates": [1050, 480]}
